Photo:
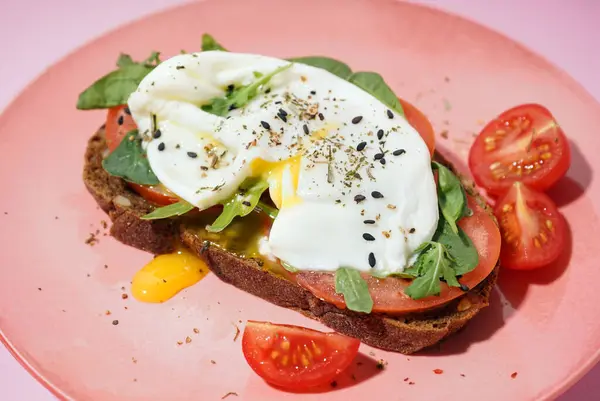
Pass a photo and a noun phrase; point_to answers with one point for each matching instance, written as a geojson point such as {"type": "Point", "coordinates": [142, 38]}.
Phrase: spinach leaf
{"type": "Point", "coordinates": [459, 247]}
{"type": "Point", "coordinates": [333, 66]}
{"type": "Point", "coordinates": [451, 196]}
{"type": "Point", "coordinates": [240, 204]}
{"type": "Point", "coordinates": [374, 84]}
{"type": "Point", "coordinates": [129, 161]}
{"type": "Point", "coordinates": [354, 288]}
{"type": "Point", "coordinates": [240, 96]}
{"type": "Point", "coordinates": [209, 43]}
{"type": "Point", "coordinates": [124, 60]}
{"type": "Point", "coordinates": [175, 209]}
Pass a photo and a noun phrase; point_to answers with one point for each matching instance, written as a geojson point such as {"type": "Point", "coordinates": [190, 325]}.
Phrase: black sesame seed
{"type": "Point", "coordinates": [265, 125]}
{"type": "Point", "coordinates": [283, 112]}
{"type": "Point", "coordinates": [379, 156]}
{"type": "Point", "coordinates": [321, 116]}
{"type": "Point", "coordinates": [305, 129]}
{"type": "Point", "coordinates": [313, 92]}
{"type": "Point", "coordinates": [359, 198]}
{"type": "Point", "coordinates": [278, 102]}
{"type": "Point", "coordinates": [246, 203]}
{"type": "Point", "coordinates": [127, 111]}
{"type": "Point", "coordinates": [372, 261]}
{"type": "Point", "coordinates": [376, 194]}
{"type": "Point", "coordinates": [283, 117]}
{"type": "Point", "coordinates": [412, 230]}
{"type": "Point", "coordinates": [382, 161]}
{"type": "Point", "coordinates": [368, 237]}
{"type": "Point", "coordinates": [361, 146]}
{"type": "Point", "coordinates": [157, 134]}
{"type": "Point", "coordinates": [369, 221]}
{"type": "Point", "coordinates": [399, 152]}
{"type": "Point", "coordinates": [464, 287]}
{"type": "Point", "coordinates": [380, 134]}
{"type": "Point", "coordinates": [120, 120]}
{"type": "Point", "coordinates": [161, 146]}
{"type": "Point", "coordinates": [193, 155]}
{"type": "Point", "coordinates": [356, 119]}
{"type": "Point", "coordinates": [390, 114]}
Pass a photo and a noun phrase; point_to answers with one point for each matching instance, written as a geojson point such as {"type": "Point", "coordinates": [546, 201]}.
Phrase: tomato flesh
{"type": "Point", "coordinates": [296, 358]}
{"type": "Point", "coordinates": [523, 144]}
{"type": "Point", "coordinates": [118, 123]}
{"type": "Point", "coordinates": [420, 123]}
{"type": "Point", "coordinates": [533, 230]}
{"type": "Point", "coordinates": [388, 294]}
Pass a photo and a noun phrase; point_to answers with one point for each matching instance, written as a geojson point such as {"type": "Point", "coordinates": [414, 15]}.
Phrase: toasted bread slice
{"type": "Point", "coordinates": [405, 334]}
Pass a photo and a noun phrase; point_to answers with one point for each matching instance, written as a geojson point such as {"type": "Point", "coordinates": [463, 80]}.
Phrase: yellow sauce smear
{"type": "Point", "coordinates": [166, 275]}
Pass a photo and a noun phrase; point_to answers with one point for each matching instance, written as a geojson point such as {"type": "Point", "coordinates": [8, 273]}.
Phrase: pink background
{"type": "Point", "coordinates": [560, 30]}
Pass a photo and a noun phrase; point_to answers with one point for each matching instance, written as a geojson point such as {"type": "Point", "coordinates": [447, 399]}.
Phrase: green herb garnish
{"type": "Point", "coordinates": [129, 161]}
{"type": "Point", "coordinates": [432, 264]}
{"type": "Point", "coordinates": [353, 287]}
{"type": "Point", "coordinates": [175, 209]}
{"type": "Point", "coordinates": [209, 43]}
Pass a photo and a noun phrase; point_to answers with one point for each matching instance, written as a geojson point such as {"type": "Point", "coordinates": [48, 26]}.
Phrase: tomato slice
{"type": "Point", "coordinates": [388, 294]}
{"type": "Point", "coordinates": [420, 123]}
{"type": "Point", "coordinates": [533, 230]}
{"type": "Point", "coordinates": [524, 144]}
{"type": "Point", "coordinates": [118, 123]}
{"type": "Point", "coordinates": [295, 357]}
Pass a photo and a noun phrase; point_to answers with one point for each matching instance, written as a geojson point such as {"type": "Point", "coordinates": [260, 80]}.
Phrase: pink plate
{"type": "Point", "coordinates": [539, 336]}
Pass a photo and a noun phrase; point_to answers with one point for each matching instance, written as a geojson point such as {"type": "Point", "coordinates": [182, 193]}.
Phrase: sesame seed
{"type": "Point", "coordinates": [369, 221]}
{"type": "Point", "coordinates": [368, 237]}
{"type": "Point", "coordinates": [321, 116]}
{"type": "Point", "coordinates": [161, 146]}
{"type": "Point", "coordinates": [283, 112]}
{"type": "Point", "coordinates": [282, 117]}
{"type": "Point", "coordinates": [120, 120]}
{"type": "Point", "coordinates": [356, 119]}
{"type": "Point", "coordinates": [193, 155]}
{"type": "Point", "coordinates": [390, 114]}
{"type": "Point", "coordinates": [380, 134]}
{"type": "Point", "coordinates": [246, 203]}
{"type": "Point", "coordinates": [305, 129]}
{"type": "Point", "coordinates": [382, 161]}
{"type": "Point", "coordinates": [379, 156]}
{"type": "Point", "coordinates": [157, 134]}
{"type": "Point", "coordinates": [313, 92]}
{"type": "Point", "coordinates": [412, 230]}
{"type": "Point", "coordinates": [359, 198]}
{"type": "Point", "coordinates": [399, 152]}
{"type": "Point", "coordinates": [265, 125]}
{"type": "Point", "coordinates": [464, 287]}
{"type": "Point", "coordinates": [361, 146]}
{"type": "Point", "coordinates": [127, 111]}
{"type": "Point", "coordinates": [372, 261]}
{"type": "Point", "coordinates": [376, 194]}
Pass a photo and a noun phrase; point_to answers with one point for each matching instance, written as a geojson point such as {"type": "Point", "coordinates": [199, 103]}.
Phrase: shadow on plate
{"type": "Point", "coordinates": [362, 369]}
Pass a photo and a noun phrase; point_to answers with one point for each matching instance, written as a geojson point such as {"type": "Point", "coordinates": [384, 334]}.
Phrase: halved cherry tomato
{"type": "Point", "coordinates": [420, 123]}
{"type": "Point", "coordinates": [533, 230]}
{"type": "Point", "coordinates": [118, 123]}
{"type": "Point", "coordinates": [388, 294]}
{"type": "Point", "coordinates": [295, 357]}
{"type": "Point", "coordinates": [523, 144]}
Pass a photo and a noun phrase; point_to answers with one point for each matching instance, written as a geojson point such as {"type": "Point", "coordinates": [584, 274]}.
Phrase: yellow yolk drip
{"type": "Point", "coordinates": [282, 190]}
{"type": "Point", "coordinates": [166, 275]}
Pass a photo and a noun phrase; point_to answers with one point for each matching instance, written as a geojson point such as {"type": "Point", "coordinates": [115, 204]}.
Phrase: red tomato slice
{"type": "Point", "coordinates": [420, 123]}
{"type": "Point", "coordinates": [533, 230]}
{"type": "Point", "coordinates": [523, 144]}
{"type": "Point", "coordinates": [118, 123]}
{"type": "Point", "coordinates": [295, 357]}
{"type": "Point", "coordinates": [388, 294]}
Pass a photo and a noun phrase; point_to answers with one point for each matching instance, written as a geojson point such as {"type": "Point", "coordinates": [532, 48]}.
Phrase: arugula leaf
{"type": "Point", "coordinates": [459, 246]}
{"type": "Point", "coordinates": [209, 43]}
{"type": "Point", "coordinates": [124, 60]}
{"type": "Point", "coordinates": [354, 288]}
{"type": "Point", "coordinates": [434, 263]}
{"type": "Point", "coordinates": [270, 211]}
{"type": "Point", "coordinates": [240, 204]}
{"type": "Point", "coordinates": [129, 161]}
{"type": "Point", "coordinates": [175, 209]}
{"type": "Point", "coordinates": [333, 66]}
{"type": "Point", "coordinates": [152, 60]}
{"type": "Point", "coordinates": [374, 84]}
{"type": "Point", "coordinates": [451, 195]}
{"type": "Point", "coordinates": [240, 96]}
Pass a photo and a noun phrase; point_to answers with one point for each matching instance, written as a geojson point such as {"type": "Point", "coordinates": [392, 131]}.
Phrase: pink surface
{"type": "Point", "coordinates": [18, 386]}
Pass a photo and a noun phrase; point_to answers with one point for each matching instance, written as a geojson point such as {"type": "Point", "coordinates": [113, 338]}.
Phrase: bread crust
{"type": "Point", "coordinates": [405, 334]}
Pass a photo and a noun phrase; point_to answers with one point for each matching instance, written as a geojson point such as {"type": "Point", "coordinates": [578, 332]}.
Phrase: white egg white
{"type": "Point", "coordinates": [316, 179]}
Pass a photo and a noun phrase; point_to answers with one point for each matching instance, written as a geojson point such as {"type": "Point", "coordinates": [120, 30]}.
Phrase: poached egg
{"type": "Point", "coordinates": [352, 179]}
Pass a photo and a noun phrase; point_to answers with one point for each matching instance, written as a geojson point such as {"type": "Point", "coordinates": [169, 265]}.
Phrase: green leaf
{"type": "Point", "coordinates": [288, 267]}
{"type": "Point", "coordinates": [241, 95]}
{"type": "Point", "coordinates": [124, 60]}
{"type": "Point", "coordinates": [129, 161]}
{"type": "Point", "coordinates": [209, 43]}
{"type": "Point", "coordinates": [451, 195]}
{"type": "Point", "coordinates": [240, 204]}
{"type": "Point", "coordinates": [270, 211]}
{"type": "Point", "coordinates": [175, 209]}
{"type": "Point", "coordinates": [354, 288]}
{"type": "Point", "coordinates": [434, 264]}
{"type": "Point", "coordinates": [152, 60]}
{"type": "Point", "coordinates": [374, 84]}
{"type": "Point", "coordinates": [114, 88]}
{"type": "Point", "coordinates": [333, 66]}
{"type": "Point", "coordinates": [459, 247]}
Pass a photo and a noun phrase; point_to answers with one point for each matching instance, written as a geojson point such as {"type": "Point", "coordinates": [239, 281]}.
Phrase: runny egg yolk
{"type": "Point", "coordinates": [282, 177]}
{"type": "Point", "coordinates": [166, 275]}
